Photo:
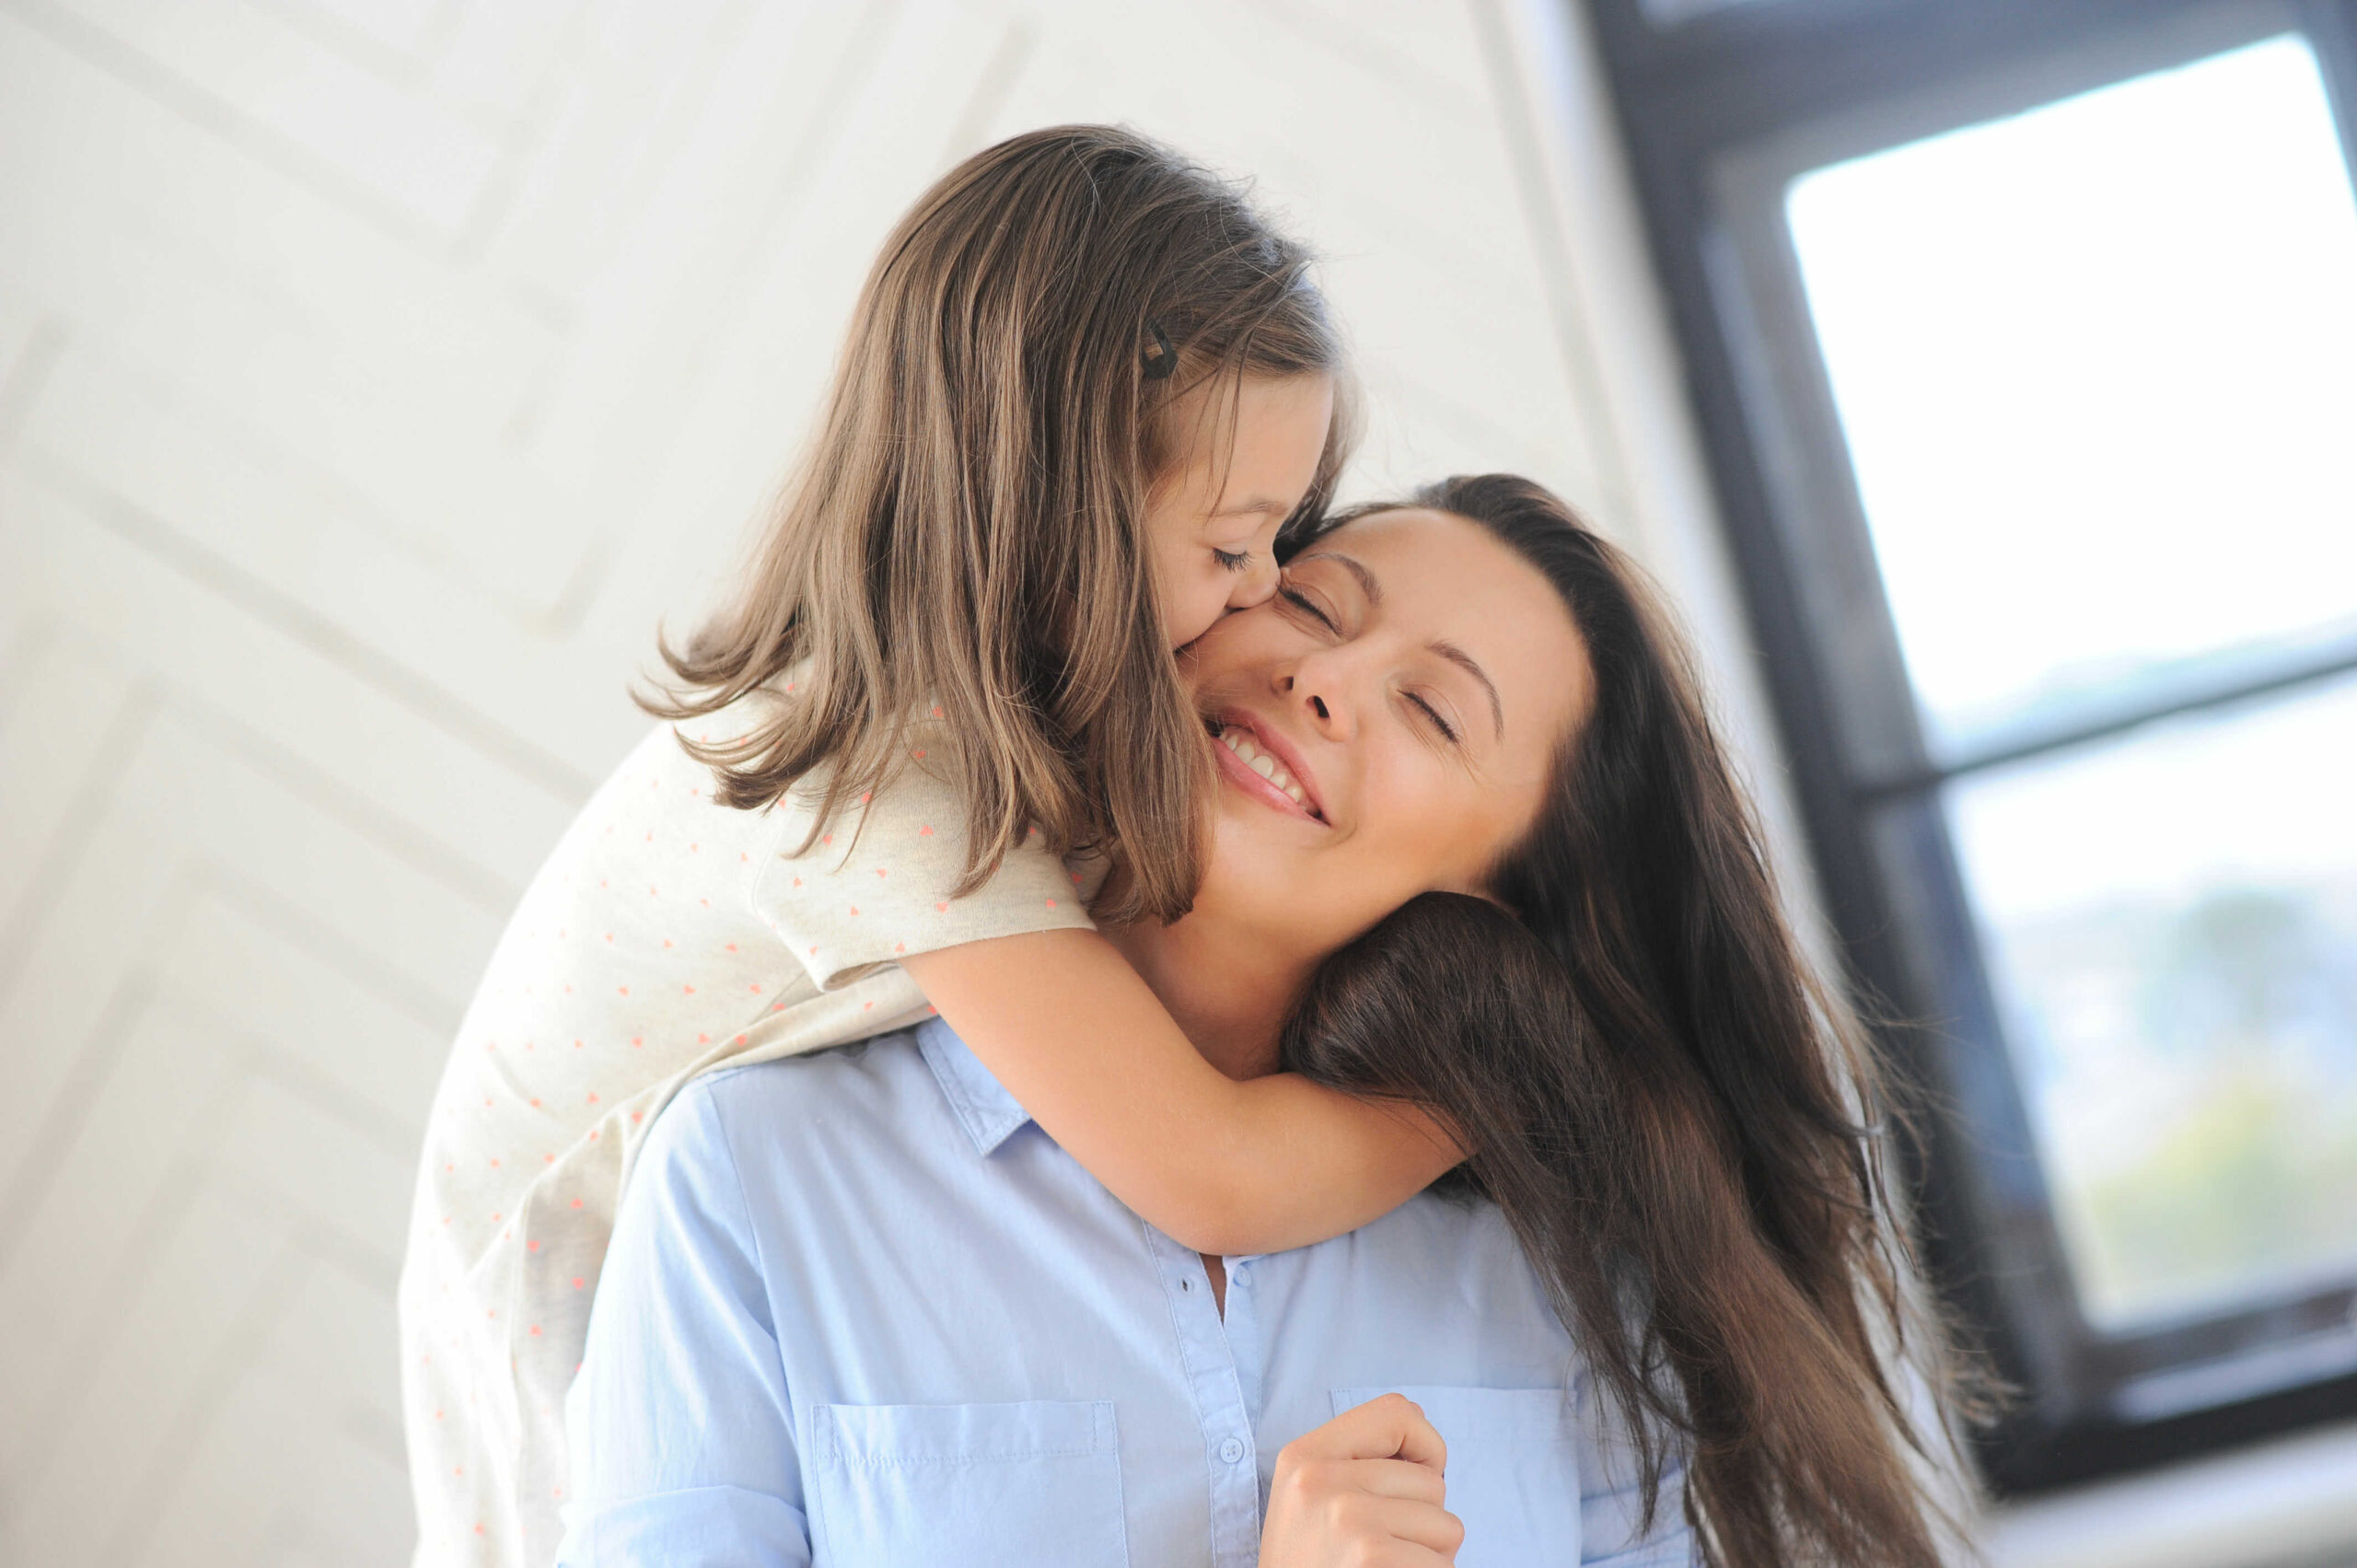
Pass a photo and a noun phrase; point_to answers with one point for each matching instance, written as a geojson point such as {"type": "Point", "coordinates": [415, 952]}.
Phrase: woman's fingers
{"type": "Point", "coordinates": [1390, 1427]}
{"type": "Point", "coordinates": [1377, 1477]}
{"type": "Point", "coordinates": [1426, 1525]}
{"type": "Point", "coordinates": [1365, 1488]}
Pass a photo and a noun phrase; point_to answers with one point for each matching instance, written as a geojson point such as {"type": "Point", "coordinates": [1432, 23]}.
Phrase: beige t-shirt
{"type": "Point", "coordinates": [668, 936]}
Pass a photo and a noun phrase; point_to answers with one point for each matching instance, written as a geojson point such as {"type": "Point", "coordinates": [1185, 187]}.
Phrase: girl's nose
{"type": "Point", "coordinates": [1256, 583]}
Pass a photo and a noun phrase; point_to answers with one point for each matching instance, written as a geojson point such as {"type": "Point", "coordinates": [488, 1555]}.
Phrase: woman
{"type": "Point", "coordinates": [1476, 841]}
{"type": "Point", "coordinates": [1664, 1099]}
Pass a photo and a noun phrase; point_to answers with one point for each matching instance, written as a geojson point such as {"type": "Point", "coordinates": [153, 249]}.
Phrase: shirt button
{"type": "Point", "coordinates": [1231, 1451]}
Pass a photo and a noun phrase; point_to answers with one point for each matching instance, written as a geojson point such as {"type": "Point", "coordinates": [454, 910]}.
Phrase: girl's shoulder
{"type": "Point", "coordinates": [654, 847]}
{"type": "Point", "coordinates": [872, 881]}
{"type": "Point", "coordinates": [878, 878]}
{"type": "Point", "coordinates": [661, 782]}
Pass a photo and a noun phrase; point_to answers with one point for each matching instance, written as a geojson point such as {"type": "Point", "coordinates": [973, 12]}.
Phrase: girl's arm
{"type": "Point", "coordinates": [1220, 1165]}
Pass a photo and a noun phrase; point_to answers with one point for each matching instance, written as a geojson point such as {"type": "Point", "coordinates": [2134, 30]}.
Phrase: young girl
{"type": "Point", "coordinates": [1085, 387]}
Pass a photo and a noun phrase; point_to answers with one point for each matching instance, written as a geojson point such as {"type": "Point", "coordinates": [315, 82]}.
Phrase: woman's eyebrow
{"type": "Point", "coordinates": [1472, 666]}
{"type": "Point", "coordinates": [1372, 588]}
{"type": "Point", "coordinates": [1368, 584]}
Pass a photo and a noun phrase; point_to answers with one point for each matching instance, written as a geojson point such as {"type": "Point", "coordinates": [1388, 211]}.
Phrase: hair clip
{"type": "Point", "coordinates": [1164, 359]}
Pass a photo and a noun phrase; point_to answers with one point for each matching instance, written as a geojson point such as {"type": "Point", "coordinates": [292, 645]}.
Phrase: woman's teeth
{"type": "Point", "coordinates": [1261, 762]}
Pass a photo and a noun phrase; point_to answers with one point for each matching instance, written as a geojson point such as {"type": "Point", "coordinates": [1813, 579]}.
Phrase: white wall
{"type": "Point", "coordinates": [374, 374]}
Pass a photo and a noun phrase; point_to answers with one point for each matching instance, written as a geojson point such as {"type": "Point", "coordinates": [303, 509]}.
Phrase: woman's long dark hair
{"type": "Point", "coordinates": [1676, 1116]}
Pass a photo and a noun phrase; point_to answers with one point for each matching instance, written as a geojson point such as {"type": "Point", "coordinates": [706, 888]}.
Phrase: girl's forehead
{"type": "Point", "coordinates": [1254, 440]}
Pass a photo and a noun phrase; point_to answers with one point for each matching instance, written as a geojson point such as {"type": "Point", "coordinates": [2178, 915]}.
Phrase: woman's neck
{"type": "Point", "coordinates": [1225, 987]}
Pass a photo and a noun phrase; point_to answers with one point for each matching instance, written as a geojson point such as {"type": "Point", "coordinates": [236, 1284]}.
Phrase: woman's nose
{"type": "Point", "coordinates": [1316, 685]}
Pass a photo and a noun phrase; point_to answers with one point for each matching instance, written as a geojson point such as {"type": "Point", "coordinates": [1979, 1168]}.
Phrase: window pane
{"type": "Point", "coordinates": [2171, 921]}
{"type": "Point", "coordinates": [2093, 364]}
{"type": "Point", "coordinates": [1671, 13]}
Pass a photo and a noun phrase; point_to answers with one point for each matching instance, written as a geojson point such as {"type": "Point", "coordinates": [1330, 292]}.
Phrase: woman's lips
{"type": "Point", "coordinates": [1245, 755]}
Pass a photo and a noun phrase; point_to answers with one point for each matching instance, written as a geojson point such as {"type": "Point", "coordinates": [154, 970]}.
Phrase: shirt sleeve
{"type": "Point", "coordinates": [682, 1430]}
{"type": "Point", "coordinates": [874, 887]}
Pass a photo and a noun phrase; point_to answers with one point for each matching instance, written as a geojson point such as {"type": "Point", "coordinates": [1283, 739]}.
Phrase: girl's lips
{"type": "Point", "coordinates": [1249, 779]}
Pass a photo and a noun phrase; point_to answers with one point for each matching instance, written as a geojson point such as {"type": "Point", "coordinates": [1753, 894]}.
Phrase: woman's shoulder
{"type": "Point", "coordinates": [792, 1120]}
{"type": "Point", "coordinates": [1456, 1244]}
{"type": "Point", "coordinates": [850, 1070]}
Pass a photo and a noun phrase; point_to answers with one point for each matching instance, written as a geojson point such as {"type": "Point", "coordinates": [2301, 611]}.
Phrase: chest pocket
{"type": "Point", "coordinates": [966, 1486]}
{"type": "Point", "coordinates": [1514, 1473]}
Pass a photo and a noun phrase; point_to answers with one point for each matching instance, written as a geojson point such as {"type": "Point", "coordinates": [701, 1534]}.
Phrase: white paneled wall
{"type": "Point", "coordinates": [374, 376]}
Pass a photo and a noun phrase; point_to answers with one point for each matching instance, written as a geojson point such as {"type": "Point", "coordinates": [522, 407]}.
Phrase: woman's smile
{"type": "Point", "coordinates": [1264, 764]}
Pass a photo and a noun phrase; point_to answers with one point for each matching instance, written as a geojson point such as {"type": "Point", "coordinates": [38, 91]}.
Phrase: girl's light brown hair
{"type": "Point", "coordinates": [964, 540]}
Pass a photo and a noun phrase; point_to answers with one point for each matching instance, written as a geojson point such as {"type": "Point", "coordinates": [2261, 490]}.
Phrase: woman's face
{"type": "Point", "coordinates": [1386, 724]}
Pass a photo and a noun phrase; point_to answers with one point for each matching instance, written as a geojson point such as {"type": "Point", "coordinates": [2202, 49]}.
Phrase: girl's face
{"type": "Point", "coordinates": [1387, 725]}
{"type": "Point", "coordinates": [1211, 524]}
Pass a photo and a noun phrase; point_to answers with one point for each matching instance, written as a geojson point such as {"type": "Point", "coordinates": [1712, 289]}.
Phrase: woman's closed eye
{"type": "Point", "coordinates": [1301, 602]}
{"type": "Point", "coordinates": [1299, 599]}
{"type": "Point", "coordinates": [1447, 730]}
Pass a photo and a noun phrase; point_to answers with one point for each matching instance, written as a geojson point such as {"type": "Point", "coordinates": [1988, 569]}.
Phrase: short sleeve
{"type": "Point", "coordinates": [874, 887]}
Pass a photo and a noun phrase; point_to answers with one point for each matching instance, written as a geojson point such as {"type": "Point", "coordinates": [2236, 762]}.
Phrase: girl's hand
{"type": "Point", "coordinates": [1363, 1491]}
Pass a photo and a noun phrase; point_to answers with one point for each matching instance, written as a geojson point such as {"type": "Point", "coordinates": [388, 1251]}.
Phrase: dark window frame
{"type": "Point", "coordinates": [1718, 111]}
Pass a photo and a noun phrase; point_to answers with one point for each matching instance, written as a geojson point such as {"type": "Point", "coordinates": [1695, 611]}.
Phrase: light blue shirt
{"type": "Point", "coordinates": [860, 1310]}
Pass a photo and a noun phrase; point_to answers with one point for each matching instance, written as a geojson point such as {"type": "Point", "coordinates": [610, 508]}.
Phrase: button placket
{"type": "Point", "coordinates": [1242, 1327]}
{"type": "Point", "coordinates": [1220, 1408]}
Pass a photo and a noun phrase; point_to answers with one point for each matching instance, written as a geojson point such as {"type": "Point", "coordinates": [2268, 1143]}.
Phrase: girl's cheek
{"type": "Point", "coordinates": [1177, 618]}
{"type": "Point", "coordinates": [1188, 611]}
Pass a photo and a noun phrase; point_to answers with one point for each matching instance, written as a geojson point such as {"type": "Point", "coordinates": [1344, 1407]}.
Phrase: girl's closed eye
{"type": "Point", "coordinates": [1232, 560]}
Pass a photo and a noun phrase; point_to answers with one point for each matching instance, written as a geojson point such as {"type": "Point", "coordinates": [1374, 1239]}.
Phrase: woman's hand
{"type": "Point", "coordinates": [1363, 1491]}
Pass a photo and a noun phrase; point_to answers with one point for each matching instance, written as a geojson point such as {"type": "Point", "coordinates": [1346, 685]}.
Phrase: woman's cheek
{"type": "Point", "coordinates": [1427, 843]}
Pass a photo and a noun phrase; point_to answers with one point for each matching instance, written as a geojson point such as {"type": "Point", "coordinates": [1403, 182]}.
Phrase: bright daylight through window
{"type": "Point", "coordinates": [2170, 914]}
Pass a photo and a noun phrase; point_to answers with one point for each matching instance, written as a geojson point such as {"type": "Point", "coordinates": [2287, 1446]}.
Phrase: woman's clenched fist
{"type": "Point", "coordinates": [1363, 1491]}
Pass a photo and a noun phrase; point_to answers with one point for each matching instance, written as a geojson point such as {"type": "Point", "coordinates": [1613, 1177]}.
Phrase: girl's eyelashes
{"type": "Point", "coordinates": [1232, 560]}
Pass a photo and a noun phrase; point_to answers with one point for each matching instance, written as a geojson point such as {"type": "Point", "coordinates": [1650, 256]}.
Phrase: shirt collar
{"type": "Point", "coordinates": [990, 1115]}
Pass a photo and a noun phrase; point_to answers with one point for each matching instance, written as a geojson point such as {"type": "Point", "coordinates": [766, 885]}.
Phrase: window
{"type": "Point", "coordinates": [2026, 343]}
